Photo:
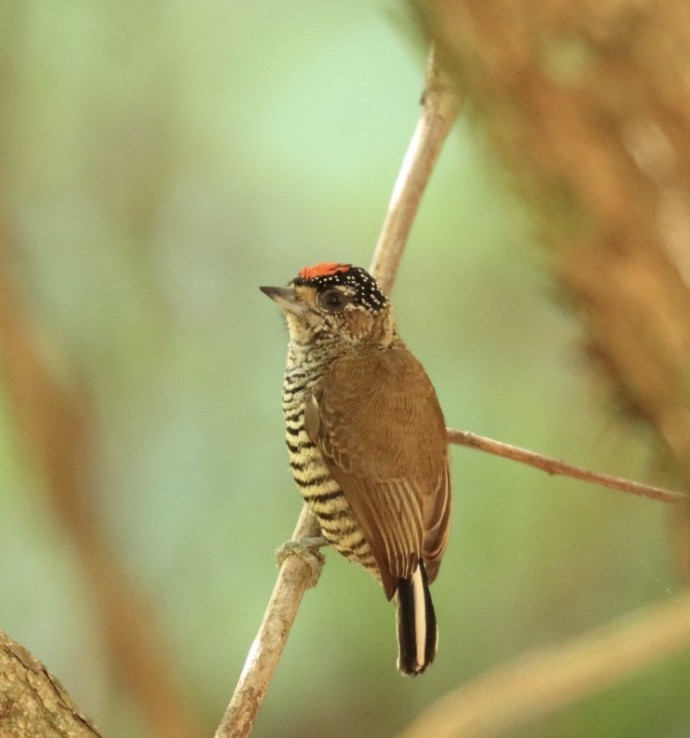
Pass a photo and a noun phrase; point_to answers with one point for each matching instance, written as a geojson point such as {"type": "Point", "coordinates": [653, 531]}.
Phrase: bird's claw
{"type": "Point", "coordinates": [306, 549]}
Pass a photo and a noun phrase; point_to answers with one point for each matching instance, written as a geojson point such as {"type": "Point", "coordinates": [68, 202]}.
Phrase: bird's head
{"type": "Point", "coordinates": [333, 302]}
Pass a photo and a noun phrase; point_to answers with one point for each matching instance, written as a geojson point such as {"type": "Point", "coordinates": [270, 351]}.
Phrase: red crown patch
{"type": "Point", "coordinates": [325, 269]}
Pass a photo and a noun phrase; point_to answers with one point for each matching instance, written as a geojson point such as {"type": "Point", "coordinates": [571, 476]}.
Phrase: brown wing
{"type": "Point", "coordinates": [377, 422]}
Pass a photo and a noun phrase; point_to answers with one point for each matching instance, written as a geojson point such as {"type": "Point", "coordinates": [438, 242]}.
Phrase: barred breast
{"type": "Point", "coordinates": [319, 490]}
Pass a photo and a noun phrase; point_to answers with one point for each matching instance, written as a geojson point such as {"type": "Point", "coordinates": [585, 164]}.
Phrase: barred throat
{"type": "Point", "coordinates": [319, 490]}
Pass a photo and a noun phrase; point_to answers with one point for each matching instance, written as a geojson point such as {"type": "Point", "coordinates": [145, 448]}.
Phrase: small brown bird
{"type": "Point", "coordinates": [367, 441]}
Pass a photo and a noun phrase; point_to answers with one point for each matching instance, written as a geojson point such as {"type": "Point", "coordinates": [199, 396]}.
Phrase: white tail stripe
{"type": "Point", "coordinates": [419, 614]}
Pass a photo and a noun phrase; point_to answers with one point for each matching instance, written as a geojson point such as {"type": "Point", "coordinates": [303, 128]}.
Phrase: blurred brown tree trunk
{"type": "Point", "coordinates": [588, 103]}
{"type": "Point", "coordinates": [56, 428]}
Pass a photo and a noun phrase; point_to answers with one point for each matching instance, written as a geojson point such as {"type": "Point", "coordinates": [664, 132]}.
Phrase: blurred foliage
{"type": "Point", "coordinates": [158, 162]}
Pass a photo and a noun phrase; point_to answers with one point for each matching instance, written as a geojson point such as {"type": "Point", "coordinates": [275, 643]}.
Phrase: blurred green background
{"type": "Point", "coordinates": [161, 160]}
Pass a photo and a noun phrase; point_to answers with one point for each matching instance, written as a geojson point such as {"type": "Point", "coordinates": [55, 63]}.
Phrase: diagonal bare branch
{"type": "Point", "coordinates": [440, 107]}
{"type": "Point", "coordinates": [297, 573]}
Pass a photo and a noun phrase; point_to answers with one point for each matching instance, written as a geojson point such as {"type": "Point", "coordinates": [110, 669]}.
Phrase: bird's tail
{"type": "Point", "coordinates": [417, 631]}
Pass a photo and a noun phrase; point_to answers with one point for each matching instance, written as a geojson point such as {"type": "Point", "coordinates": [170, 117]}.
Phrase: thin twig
{"type": "Point", "coordinates": [543, 681]}
{"type": "Point", "coordinates": [555, 466]}
{"type": "Point", "coordinates": [298, 573]}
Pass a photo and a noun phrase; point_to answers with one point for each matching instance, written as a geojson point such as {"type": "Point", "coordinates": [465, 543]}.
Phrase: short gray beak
{"type": "Point", "coordinates": [286, 298]}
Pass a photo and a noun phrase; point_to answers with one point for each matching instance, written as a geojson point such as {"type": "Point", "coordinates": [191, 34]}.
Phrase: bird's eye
{"type": "Point", "coordinates": [333, 300]}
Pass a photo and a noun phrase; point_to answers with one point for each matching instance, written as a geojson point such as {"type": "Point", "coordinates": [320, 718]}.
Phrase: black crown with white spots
{"type": "Point", "coordinates": [365, 290]}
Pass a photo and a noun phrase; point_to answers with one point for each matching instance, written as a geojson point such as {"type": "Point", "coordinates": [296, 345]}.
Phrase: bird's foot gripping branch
{"type": "Point", "coordinates": [307, 549]}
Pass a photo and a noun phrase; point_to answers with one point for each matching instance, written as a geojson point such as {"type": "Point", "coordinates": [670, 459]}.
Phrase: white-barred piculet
{"type": "Point", "coordinates": [367, 441]}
